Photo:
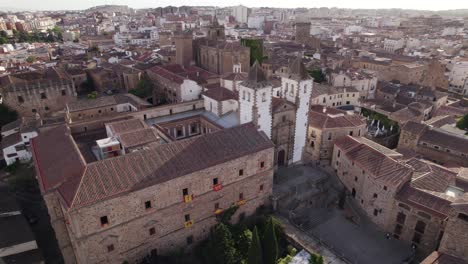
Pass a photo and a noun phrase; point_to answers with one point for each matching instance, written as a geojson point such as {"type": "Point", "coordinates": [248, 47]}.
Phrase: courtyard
{"type": "Point", "coordinates": [308, 197]}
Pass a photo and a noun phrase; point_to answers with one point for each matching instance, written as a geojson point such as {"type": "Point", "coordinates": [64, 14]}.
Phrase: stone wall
{"type": "Point", "coordinates": [44, 99]}
{"type": "Point", "coordinates": [129, 222]}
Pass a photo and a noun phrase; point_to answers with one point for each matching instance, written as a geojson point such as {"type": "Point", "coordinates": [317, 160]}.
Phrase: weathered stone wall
{"type": "Point", "coordinates": [455, 240]}
{"type": "Point", "coordinates": [129, 221]}
{"type": "Point", "coordinates": [46, 99]}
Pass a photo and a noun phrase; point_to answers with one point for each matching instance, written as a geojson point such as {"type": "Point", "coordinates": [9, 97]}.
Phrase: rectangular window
{"type": "Point", "coordinates": [185, 192]}
{"type": "Point", "coordinates": [261, 187]}
{"type": "Point", "coordinates": [187, 217]}
{"type": "Point", "coordinates": [189, 240]}
{"type": "Point", "coordinates": [216, 206]}
{"type": "Point", "coordinates": [375, 195]}
{"type": "Point", "coordinates": [262, 164]}
{"type": "Point", "coordinates": [64, 93]}
{"type": "Point", "coordinates": [110, 248]}
{"type": "Point", "coordinates": [215, 181]}
{"type": "Point", "coordinates": [401, 218]}
{"type": "Point", "coordinates": [152, 231]}
{"type": "Point", "coordinates": [241, 172]}
{"type": "Point", "coordinates": [43, 95]}
{"type": "Point", "coordinates": [376, 212]}
{"type": "Point", "coordinates": [417, 238]}
{"type": "Point", "coordinates": [241, 196]}
{"type": "Point", "coordinates": [104, 220]}
{"type": "Point", "coordinates": [398, 229]}
{"type": "Point", "coordinates": [148, 205]}
{"type": "Point", "coordinates": [420, 227]}
{"type": "Point", "coordinates": [20, 99]}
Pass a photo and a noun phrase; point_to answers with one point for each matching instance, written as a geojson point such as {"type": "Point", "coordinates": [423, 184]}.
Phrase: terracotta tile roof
{"type": "Point", "coordinates": [414, 128]}
{"type": "Point", "coordinates": [430, 176]}
{"type": "Point", "coordinates": [124, 126]}
{"type": "Point", "coordinates": [423, 200]}
{"type": "Point", "coordinates": [84, 185]}
{"type": "Point", "coordinates": [256, 78]}
{"type": "Point", "coordinates": [57, 158]}
{"type": "Point", "coordinates": [220, 94]}
{"type": "Point", "coordinates": [327, 120]}
{"type": "Point", "coordinates": [442, 120]}
{"type": "Point", "coordinates": [445, 140]}
{"type": "Point", "coordinates": [375, 163]}
{"type": "Point", "coordinates": [235, 76]}
{"type": "Point", "coordinates": [138, 137]}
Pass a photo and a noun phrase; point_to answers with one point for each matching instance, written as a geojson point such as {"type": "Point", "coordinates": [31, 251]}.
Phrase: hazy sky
{"type": "Point", "coordinates": [83, 4]}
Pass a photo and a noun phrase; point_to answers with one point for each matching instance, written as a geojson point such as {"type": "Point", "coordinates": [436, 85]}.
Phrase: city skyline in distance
{"type": "Point", "coordinates": [17, 5]}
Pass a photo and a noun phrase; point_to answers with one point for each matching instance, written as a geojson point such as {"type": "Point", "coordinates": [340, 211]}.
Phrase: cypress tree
{"type": "Point", "coordinates": [223, 246]}
{"type": "Point", "coordinates": [270, 244]}
{"type": "Point", "coordinates": [255, 249]}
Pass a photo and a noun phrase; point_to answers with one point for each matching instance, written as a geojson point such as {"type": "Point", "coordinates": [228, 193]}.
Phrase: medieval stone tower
{"type": "Point", "coordinates": [184, 48]}
{"type": "Point", "coordinates": [216, 31]}
{"type": "Point", "coordinates": [296, 88]}
{"type": "Point", "coordinates": [302, 32]}
{"type": "Point", "coordinates": [255, 100]}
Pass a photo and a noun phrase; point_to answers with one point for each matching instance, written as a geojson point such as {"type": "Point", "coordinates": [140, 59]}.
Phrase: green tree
{"type": "Point", "coordinates": [31, 59]}
{"type": "Point", "coordinates": [255, 249]}
{"type": "Point", "coordinates": [463, 122]}
{"type": "Point", "coordinates": [256, 49]}
{"type": "Point", "coordinates": [7, 115]}
{"type": "Point", "coordinates": [243, 242]}
{"type": "Point", "coordinates": [316, 259]}
{"type": "Point", "coordinates": [223, 246]}
{"type": "Point", "coordinates": [270, 244]}
{"type": "Point", "coordinates": [318, 75]}
{"type": "Point", "coordinates": [144, 88]}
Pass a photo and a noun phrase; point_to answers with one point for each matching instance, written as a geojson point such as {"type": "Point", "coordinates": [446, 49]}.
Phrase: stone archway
{"type": "Point", "coordinates": [281, 157]}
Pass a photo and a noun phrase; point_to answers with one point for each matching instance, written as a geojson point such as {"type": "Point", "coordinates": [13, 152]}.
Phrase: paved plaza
{"type": "Point", "coordinates": [353, 241]}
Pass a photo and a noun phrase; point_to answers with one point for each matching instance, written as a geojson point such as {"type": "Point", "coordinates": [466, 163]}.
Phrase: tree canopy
{"type": "Point", "coordinates": [269, 243]}
{"type": "Point", "coordinates": [318, 75]}
{"type": "Point", "coordinates": [255, 250]}
{"type": "Point", "coordinates": [463, 122]}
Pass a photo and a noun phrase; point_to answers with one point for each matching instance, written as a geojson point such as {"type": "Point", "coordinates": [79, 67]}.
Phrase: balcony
{"type": "Point", "coordinates": [217, 187]}
{"type": "Point", "coordinates": [188, 224]}
{"type": "Point", "coordinates": [188, 198]}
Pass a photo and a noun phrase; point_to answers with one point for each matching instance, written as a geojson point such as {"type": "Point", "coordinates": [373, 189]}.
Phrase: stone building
{"type": "Point", "coordinates": [221, 56]}
{"type": "Point", "coordinates": [115, 77]}
{"type": "Point", "coordinates": [455, 242]}
{"type": "Point", "coordinates": [40, 92]}
{"type": "Point", "coordinates": [371, 174]}
{"type": "Point", "coordinates": [365, 83]}
{"type": "Point", "coordinates": [184, 48]}
{"type": "Point", "coordinates": [280, 112]}
{"type": "Point", "coordinates": [410, 199]}
{"type": "Point", "coordinates": [175, 83]}
{"type": "Point", "coordinates": [434, 144]}
{"type": "Point", "coordinates": [331, 96]}
{"type": "Point", "coordinates": [153, 200]}
{"type": "Point", "coordinates": [302, 35]}
{"type": "Point", "coordinates": [85, 109]}
{"type": "Point", "coordinates": [326, 125]}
